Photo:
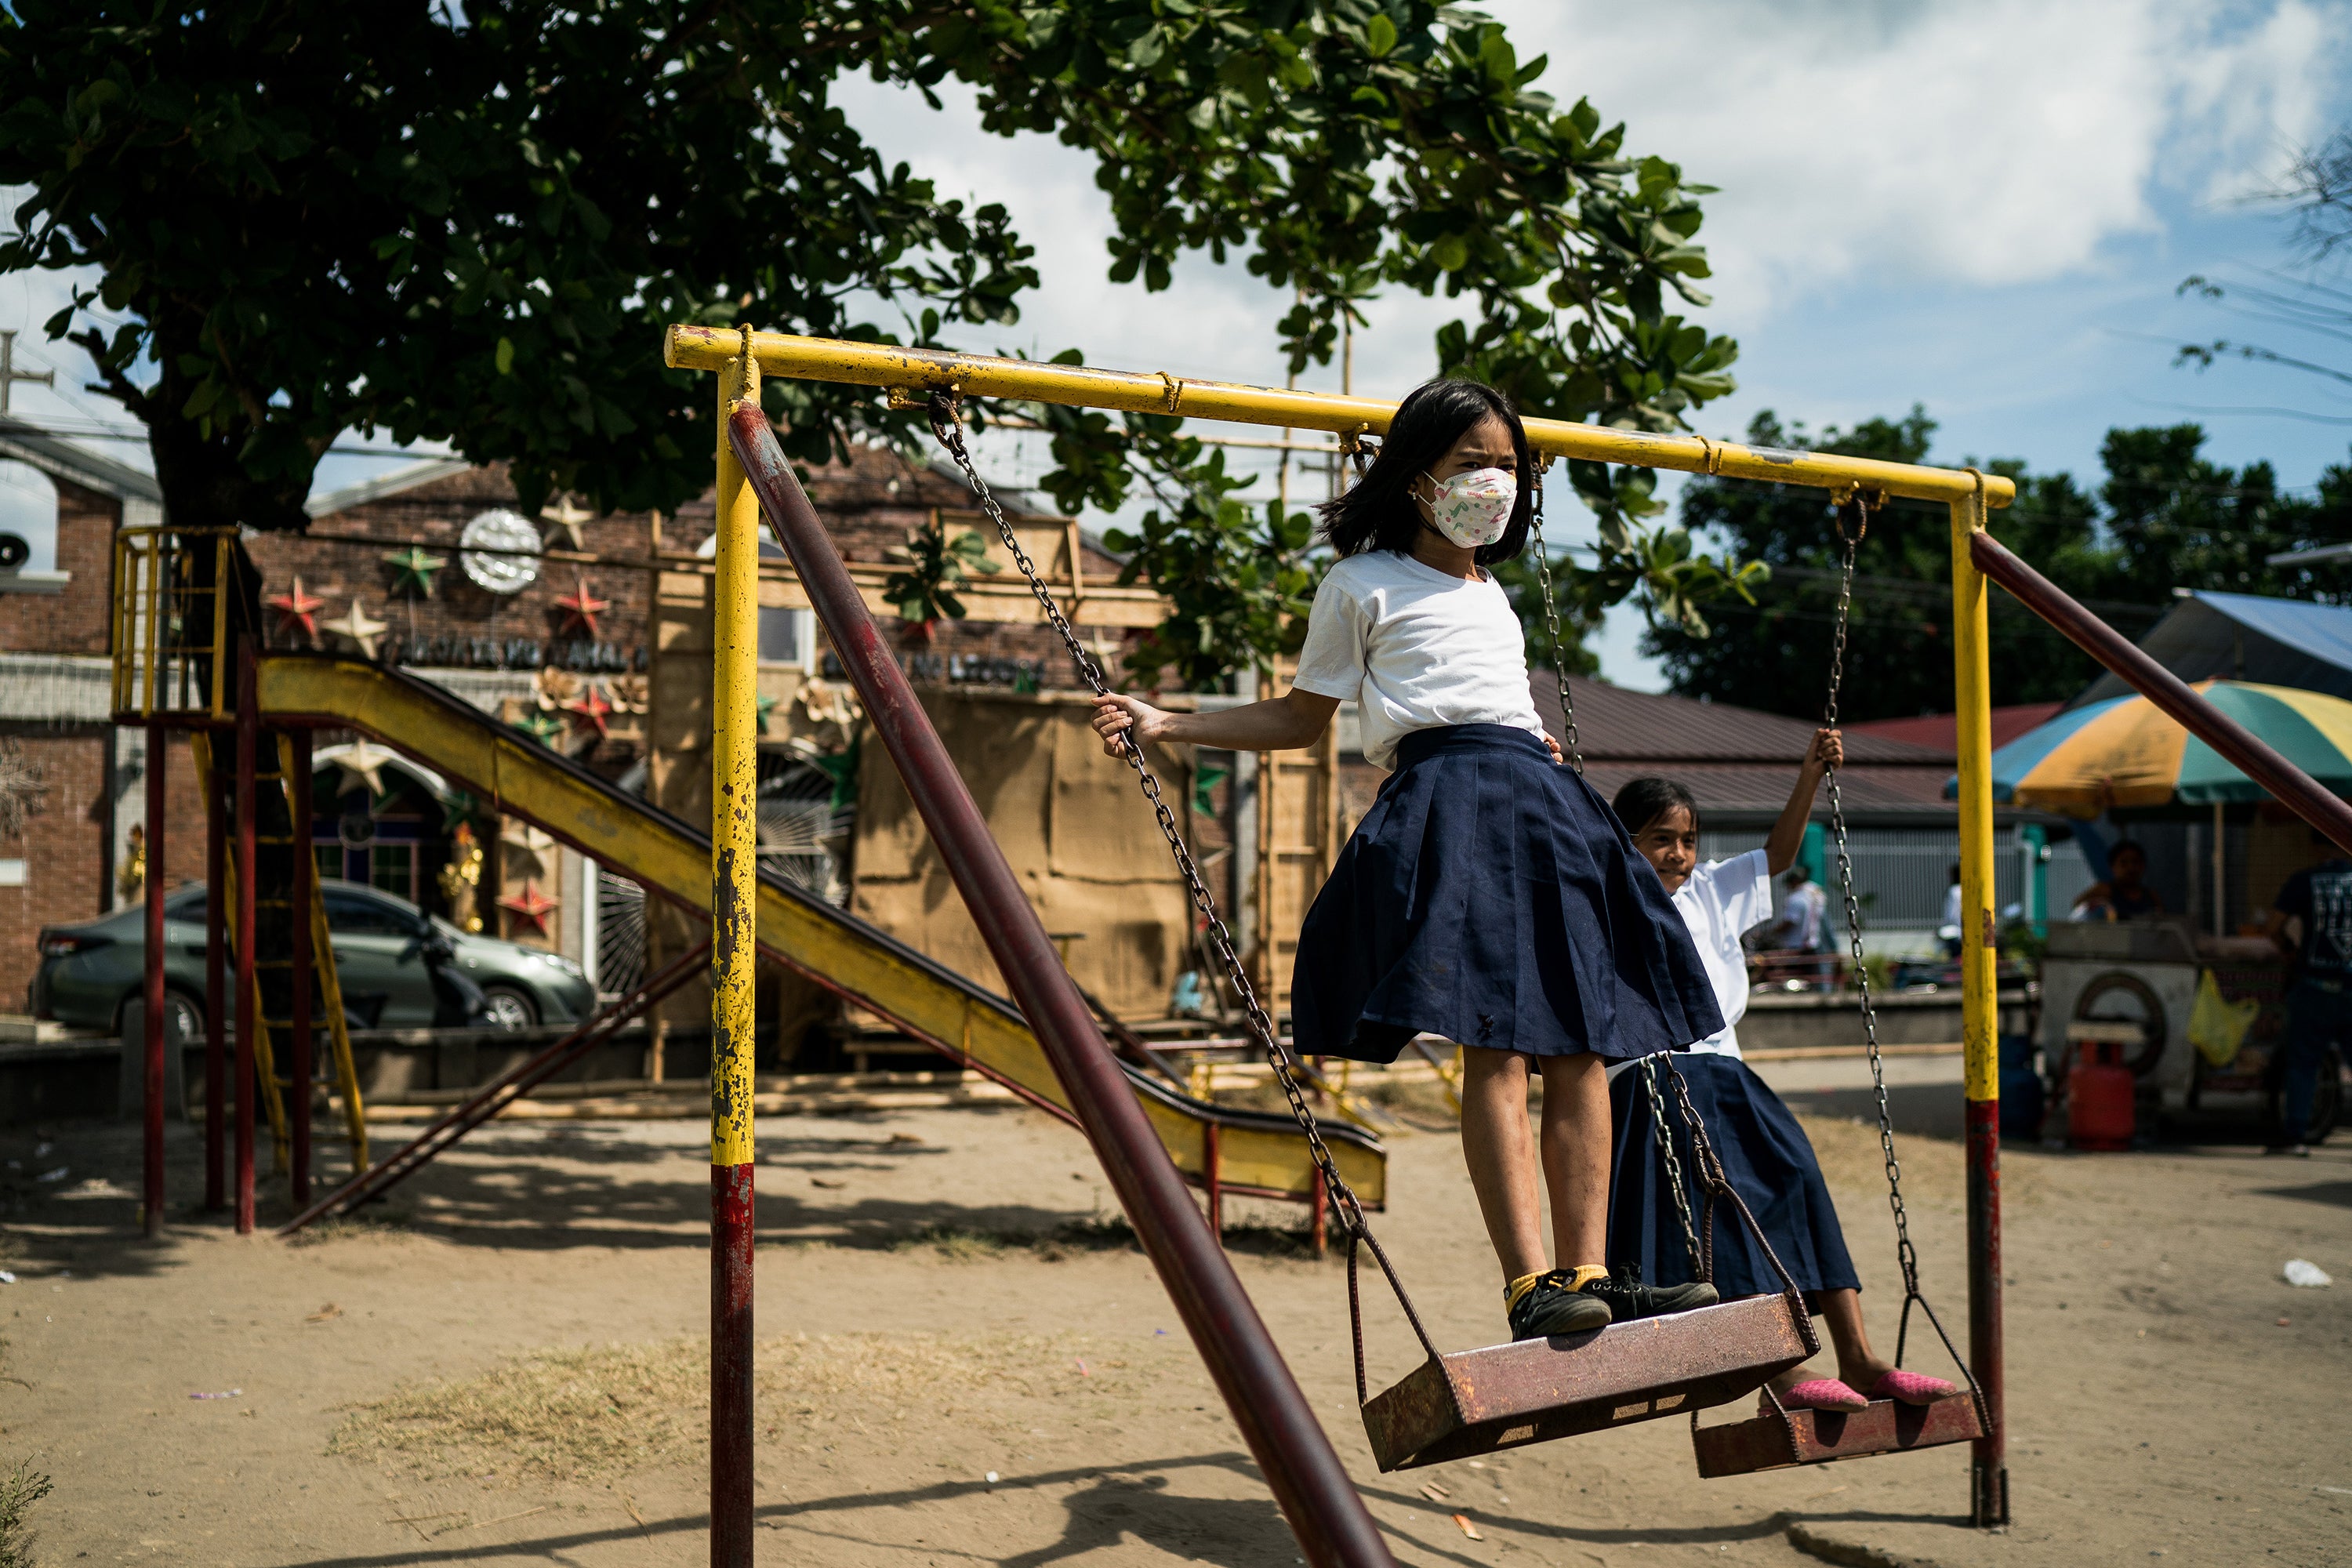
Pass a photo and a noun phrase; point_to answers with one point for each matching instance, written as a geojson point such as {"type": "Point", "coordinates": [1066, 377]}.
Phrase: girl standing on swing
{"type": "Point", "coordinates": [1489, 896]}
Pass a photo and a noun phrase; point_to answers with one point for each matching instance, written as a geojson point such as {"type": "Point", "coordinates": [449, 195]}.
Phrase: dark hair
{"type": "Point", "coordinates": [1379, 513]}
{"type": "Point", "coordinates": [2121, 845]}
{"type": "Point", "coordinates": [1642, 800]}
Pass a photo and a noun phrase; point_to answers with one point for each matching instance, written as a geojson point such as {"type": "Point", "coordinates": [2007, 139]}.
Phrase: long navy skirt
{"type": "Point", "coordinates": [1491, 897]}
{"type": "Point", "coordinates": [1770, 1165]}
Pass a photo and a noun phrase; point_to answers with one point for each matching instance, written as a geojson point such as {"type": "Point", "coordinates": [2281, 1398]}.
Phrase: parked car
{"type": "Point", "coordinates": [89, 971]}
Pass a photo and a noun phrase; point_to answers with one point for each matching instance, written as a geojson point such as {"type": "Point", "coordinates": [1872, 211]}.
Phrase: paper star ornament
{"type": "Point", "coordinates": [589, 710]}
{"type": "Point", "coordinates": [529, 905]}
{"type": "Point", "coordinates": [297, 609]}
{"type": "Point", "coordinates": [628, 692]}
{"type": "Point", "coordinates": [358, 629]}
{"type": "Point", "coordinates": [414, 566]}
{"type": "Point", "coordinates": [362, 769]}
{"type": "Point", "coordinates": [767, 707]}
{"type": "Point", "coordinates": [582, 608]}
{"type": "Point", "coordinates": [567, 520]}
{"type": "Point", "coordinates": [540, 727]}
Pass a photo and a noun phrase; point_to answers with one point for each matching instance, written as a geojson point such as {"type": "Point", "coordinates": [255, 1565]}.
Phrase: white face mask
{"type": "Point", "coordinates": [1473, 509]}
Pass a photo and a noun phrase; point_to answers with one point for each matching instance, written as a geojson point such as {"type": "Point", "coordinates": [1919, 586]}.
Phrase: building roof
{"type": "Point", "coordinates": [2245, 637]}
{"type": "Point", "coordinates": [1738, 761]}
{"type": "Point", "coordinates": [1940, 732]}
{"type": "Point", "coordinates": [63, 460]}
{"type": "Point", "coordinates": [1622, 725]}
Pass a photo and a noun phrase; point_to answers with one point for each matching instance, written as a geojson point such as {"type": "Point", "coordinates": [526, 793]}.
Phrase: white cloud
{"type": "Point", "coordinates": [1981, 142]}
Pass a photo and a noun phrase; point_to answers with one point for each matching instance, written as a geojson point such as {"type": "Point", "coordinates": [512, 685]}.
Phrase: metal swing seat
{"type": "Point", "coordinates": [1777, 1436]}
{"type": "Point", "coordinates": [1473, 1402]}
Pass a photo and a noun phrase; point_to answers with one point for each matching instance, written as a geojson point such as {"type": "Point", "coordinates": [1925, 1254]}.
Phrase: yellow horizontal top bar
{"type": "Point", "coordinates": [985, 375]}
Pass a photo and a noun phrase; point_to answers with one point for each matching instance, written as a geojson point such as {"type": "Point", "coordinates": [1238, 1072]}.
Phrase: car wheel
{"type": "Point", "coordinates": [508, 1008]}
{"type": "Point", "coordinates": [184, 1014]}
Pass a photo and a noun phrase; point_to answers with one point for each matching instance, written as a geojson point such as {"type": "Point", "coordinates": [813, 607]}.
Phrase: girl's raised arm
{"type": "Point", "coordinates": [1827, 752]}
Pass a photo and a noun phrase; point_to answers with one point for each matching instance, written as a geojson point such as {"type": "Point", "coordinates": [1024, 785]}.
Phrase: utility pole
{"type": "Point", "coordinates": [10, 374]}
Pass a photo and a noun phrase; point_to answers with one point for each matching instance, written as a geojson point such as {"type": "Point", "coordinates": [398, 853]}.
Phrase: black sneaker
{"type": "Point", "coordinates": [1628, 1299]}
{"type": "Point", "coordinates": [1550, 1307]}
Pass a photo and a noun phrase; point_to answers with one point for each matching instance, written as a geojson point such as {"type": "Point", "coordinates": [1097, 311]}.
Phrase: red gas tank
{"type": "Point", "coordinates": [2099, 1098]}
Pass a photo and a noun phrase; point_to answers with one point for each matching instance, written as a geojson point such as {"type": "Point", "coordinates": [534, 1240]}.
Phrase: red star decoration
{"type": "Point", "coordinates": [531, 905]}
{"type": "Point", "coordinates": [297, 609]}
{"type": "Point", "coordinates": [581, 609]}
{"type": "Point", "coordinates": [589, 708]}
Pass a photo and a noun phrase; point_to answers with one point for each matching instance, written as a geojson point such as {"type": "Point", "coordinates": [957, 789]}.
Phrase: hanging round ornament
{"type": "Point", "coordinates": [516, 566]}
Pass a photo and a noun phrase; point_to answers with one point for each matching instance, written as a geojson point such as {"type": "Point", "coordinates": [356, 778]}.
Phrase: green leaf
{"type": "Point", "coordinates": [505, 356]}
{"type": "Point", "coordinates": [1379, 35]}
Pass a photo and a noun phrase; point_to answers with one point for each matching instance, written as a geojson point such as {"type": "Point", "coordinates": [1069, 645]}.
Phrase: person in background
{"type": "Point", "coordinates": [2125, 895]}
{"type": "Point", "coordinates": [1948, 930]}
{"type": "Point", "coordinates": [2312, 924]}
{"type": "Point", "coordinates": [1764, 1151]}
{"type": "Point", "coordinates": [1799, 929]}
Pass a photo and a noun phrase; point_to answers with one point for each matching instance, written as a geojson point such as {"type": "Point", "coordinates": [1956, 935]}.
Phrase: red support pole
{"type": "Point", "coordinates": [248, 739]}
{"type": "Point", "coordinates": [1310, 1484]}
{"type": "Point", "coordinates": [151, 1103]}
{"type": "Point", "coordinates": [215, 982]}
{"type": "Point", "coordinates": [1989, 1468]}
{"type": "Point", "coordinates": [297, 1105]}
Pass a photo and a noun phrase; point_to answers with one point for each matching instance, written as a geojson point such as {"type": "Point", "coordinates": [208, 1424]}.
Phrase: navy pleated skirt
{"type": "Point", "coordinates": [1769, 1163]}
{"type": "Point", "coordinates": [1492, 898]}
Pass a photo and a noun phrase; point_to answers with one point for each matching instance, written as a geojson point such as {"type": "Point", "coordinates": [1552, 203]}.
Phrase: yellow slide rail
{"type": "Point", "coordinates": [516, 775]}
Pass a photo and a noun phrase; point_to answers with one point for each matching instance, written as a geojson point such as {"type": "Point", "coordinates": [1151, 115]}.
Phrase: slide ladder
{"type": "Point", "coordinates": [1222, 1150]}
{"type": "Point", "coordinates": [276, 796]}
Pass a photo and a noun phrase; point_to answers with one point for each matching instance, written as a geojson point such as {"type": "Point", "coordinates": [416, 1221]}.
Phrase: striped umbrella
{"type": "Point", "coordinates": [2125, 752]}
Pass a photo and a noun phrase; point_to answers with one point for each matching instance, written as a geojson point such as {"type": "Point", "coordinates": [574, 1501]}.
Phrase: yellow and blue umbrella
{"type": "Point", "coordinates": [2128, 753]}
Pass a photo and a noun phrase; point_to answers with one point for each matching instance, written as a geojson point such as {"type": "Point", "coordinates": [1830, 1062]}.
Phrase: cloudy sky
{"type": "Point", "coordinates": [1982, 205]}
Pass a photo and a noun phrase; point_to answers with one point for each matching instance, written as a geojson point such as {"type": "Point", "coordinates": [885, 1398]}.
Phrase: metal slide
{"type": "Point", "coordinates": [1244, 1152]}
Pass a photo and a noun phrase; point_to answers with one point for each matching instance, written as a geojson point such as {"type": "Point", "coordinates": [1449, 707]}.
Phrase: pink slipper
{"type": "Point", "coordinates": [1823, 1394]}
{"type": "Point", "coordinates": [1912, 1388]}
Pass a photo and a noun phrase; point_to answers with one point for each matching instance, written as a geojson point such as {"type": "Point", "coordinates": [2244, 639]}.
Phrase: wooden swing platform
{"type": "Point", "coordinates": [1478, 1401]}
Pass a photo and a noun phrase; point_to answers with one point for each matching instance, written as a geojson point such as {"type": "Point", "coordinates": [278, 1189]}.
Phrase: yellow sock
{"type": "Point", "coordinates": [1517, 1289]}
{"type": "Point", "coordinates": [1583, 1274]}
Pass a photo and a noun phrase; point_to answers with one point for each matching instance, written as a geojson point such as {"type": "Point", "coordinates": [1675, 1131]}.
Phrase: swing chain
{"type": "Point", "coordinates": [1862, 503]}
{"type": "Point", "coordinates": [947, 424]}
{"type": "Point", "coordinates": [1559, 652]}
{"type": "Point", "coordinates": [1673, 1162]}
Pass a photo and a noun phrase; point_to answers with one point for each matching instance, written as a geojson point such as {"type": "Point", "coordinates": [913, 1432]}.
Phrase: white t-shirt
{"type": "Point", "coordinates": [1720, 901]}
{"type": "Point", "coordinates": [1416, 649]}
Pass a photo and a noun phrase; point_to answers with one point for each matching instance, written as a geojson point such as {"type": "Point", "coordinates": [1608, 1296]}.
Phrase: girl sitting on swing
{"type": "Point", "coordinates": [1765, 1154]}
{"type": "Point", "coordinates": [1488, 896]}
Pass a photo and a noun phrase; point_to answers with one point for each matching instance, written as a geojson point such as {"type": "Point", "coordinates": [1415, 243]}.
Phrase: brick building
{"type": "Point", "coordinates": [557, 633]}
{"type": "Point", "coordinates": [70, 781]}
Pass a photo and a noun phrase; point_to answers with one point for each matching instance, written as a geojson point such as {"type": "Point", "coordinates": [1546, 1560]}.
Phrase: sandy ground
{"type": "Point", "coordinates": [2170, 1396]}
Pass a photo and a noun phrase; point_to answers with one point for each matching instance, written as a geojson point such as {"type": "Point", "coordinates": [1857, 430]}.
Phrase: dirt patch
{"type": "Point", "coordinates": [517, 1370]}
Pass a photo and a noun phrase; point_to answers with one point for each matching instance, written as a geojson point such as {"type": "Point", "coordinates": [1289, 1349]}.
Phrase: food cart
{"type": "Point", "coordinates": [2135, 982]}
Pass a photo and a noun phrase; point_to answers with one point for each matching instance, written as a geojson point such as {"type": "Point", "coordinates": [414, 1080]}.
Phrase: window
{"type": "Point", "coordinates": [785, 635]}
{"type": "Point", "coordinates": [28, 510]}
{"type": "Point", "coordinates": [353, 913]}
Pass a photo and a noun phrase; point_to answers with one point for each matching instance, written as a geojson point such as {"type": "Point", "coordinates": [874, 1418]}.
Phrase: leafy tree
{"type": "Point", "coordinates": [2165, 517]}
{"type": "Point", "coordinates": [467, 223]}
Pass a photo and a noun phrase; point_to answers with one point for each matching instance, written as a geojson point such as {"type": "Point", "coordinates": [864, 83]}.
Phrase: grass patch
{"type": "Point", "coordinates": [973, 1244]}
{"type": "Point", "coordinates": [349, 1227]}
{"type": "Point", "coordinates": [570, 1412]}
{"type": "Point", "coordinates": [20, 1490]}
